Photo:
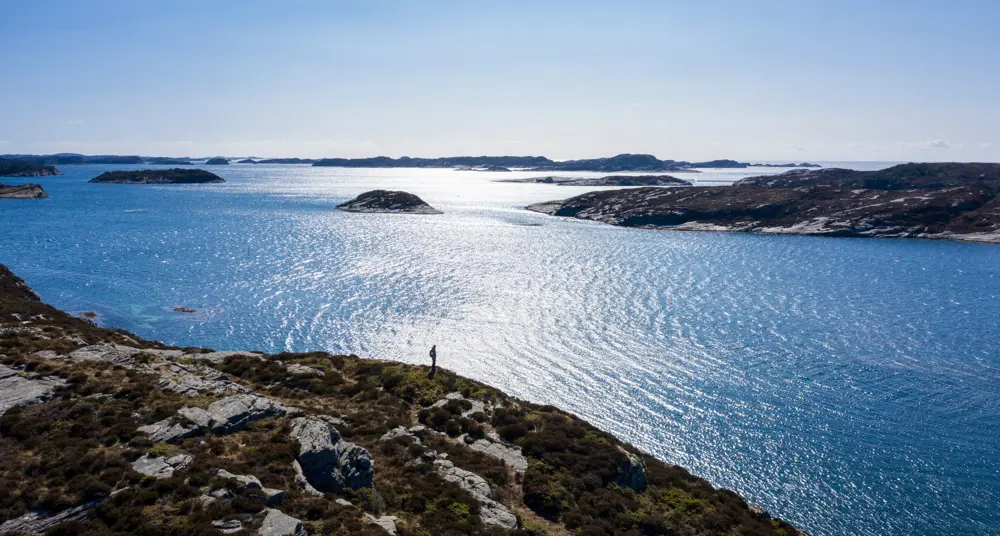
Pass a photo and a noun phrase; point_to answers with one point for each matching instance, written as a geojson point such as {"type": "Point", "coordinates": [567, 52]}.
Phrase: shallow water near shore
{"type": "Point", "coordinates": [847, 385]}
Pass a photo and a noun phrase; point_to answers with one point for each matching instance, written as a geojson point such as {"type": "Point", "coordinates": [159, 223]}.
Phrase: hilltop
{"type": "Point", "coordinates": [106, 433]}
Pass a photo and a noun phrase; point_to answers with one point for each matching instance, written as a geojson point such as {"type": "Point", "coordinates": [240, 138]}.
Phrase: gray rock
{"type": "Point", "coordinates": [228, 526]}
{"type": "Point", "coordinates": [115, 354]}
{"type": "Point", "coordinates": [343, 502]}
{"type": "Point", "coordinates": [328, 462]}
{"type": "Point", "coordinates": [490, 511]}
{"type": "Point", "coordinates": [167, 430]}
{"type": "Point", "coordinates": [279, 524]}
{"type": "Point", "coordinates": [17, 391]}
{"type": "Point", "coordinates": [36, 523]}
{"type": "Point", "coordinates": [218, 357]}
{"type": "Point", "coordinates": [510, 455]}
{"type": "Point", "coordinates": [192, 380]}
{"type": "Point", "coordinates": [161, 467]}
{"type": "Point", "coordinates": [398, 431]}
{"type": "Point", "coordinates": [196, 416]}
{"type": "Point", "coordinates": [388, 523]}
{"type": "Point", "coordinates": [295, 368]}
{"type": "Point", "coordinates": [302, 483]}
{"type": "Point", "coordinates": [247, 481]}
{"type": "Point", "coordinates": [273, 497]}
{"type": "Point", "coordinates": [417, 431]}
{"type": "Point", "coordinates": [631, 471]}
{"type": "Point", "coordinates": [234, 413]}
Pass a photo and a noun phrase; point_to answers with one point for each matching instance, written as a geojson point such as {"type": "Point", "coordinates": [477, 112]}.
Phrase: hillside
{"type": "Point", "coordinates": [106, 433]}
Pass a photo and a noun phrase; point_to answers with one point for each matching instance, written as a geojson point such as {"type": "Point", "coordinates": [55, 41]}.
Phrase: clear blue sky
{"type": "Point", "coordinates": [760, 79]}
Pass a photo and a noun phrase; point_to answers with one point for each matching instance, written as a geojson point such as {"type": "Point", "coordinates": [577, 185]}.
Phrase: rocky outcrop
{"type": "Point", "coordinates": [390, 202]}
{"type": "Point", "coordinates": [234, 413]}
{"type": "Point", "coordinates": [22, 168]}
{"type": "Point", "coordinates": [38, 522]}
{"type": "Point", "coordinates": [161, 467]}
{"type": "Point", "coordinates": [271, 496]}
{"type": "Point", "coordinates": [16, 390]}
{"type": "Point", "coordinates": [159, 176]}
{"type": "Point", "coordinates": [610, 180]}
{"type": "Point", "coordinates": [491, 512]}
{"type": "Point", "coordinates": [952, 201]}
{"type": "Point", "coordinates": [22, 191]}
{"type": "Point", "coordinates": [386, 523]}
{"type": "Point", "coordinates": [631, 471]}
{"type": "Point", "coordinates": [277, 523]}
{"type": "Point", "coordinates": [328, 462]}
{"type": "Point", "coordinates": [168, 431]}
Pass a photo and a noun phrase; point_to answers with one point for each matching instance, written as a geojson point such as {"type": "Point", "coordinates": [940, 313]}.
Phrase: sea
{"type": "Point", "coordinates": [849, 386]}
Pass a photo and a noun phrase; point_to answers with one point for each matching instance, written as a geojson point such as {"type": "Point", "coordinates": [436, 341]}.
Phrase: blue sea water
{"type": "Point", "coordinates": [847, 385]}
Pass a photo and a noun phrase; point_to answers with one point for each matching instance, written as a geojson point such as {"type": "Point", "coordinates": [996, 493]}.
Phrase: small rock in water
{"type": "Point", "coordinates": [184, 310]}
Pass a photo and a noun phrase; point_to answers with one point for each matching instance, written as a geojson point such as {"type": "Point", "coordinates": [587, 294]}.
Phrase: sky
{"type": "Point", "coordinates": [760, 80]}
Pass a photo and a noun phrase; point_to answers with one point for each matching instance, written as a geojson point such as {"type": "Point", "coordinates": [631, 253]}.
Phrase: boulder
{"type": "Point", "coordinates": [631, 471]}
{"type": "Point", "coordinates": [490, 511]}
{"type": "Point", "coordinates": [234, 413]}
{"type": "Point", "coordinates": [167, 430]}
{"type": "Point", "coordinates": [277, 523]}
{"type": "Point", "coordinates": [228, 526]}
{"type": "Point", "coordinates": [196, 416]}
{"type": "Point", "coordinates": [18, 391]}
{"type": "Point", "coordinates": [271, 496]}
{"type": "Point", "coordinates": [161, 467]}
{"type": "Point", "coordinates": [387, 523]}
{"type": "Point", "coordinates": [328, 462]}
{"type": "Point", "coordinates": [295, 368]}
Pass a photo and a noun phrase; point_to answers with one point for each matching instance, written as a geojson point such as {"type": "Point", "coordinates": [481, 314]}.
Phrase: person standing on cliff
{"type": "Point", "coordinates": [434, 361]}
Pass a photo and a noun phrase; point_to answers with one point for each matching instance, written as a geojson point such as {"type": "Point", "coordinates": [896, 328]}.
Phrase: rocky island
{"type": "Point", "coordinates": [106, 433]}
{"type": "Point", "coordinates": [217, 161]}
{"type": "Point", "coordinates": [386, 201]}
{"type": "Point", "coordinates": [610, 180]}
{"type": "Point", "coordinates": [10, 167]}
{"type": "Point", "coordinates": [621, 162]}
{"type": "Point", "coordinates": [22, 191]}
{"type": "Point", "coordinates": [947, 200]}
{"type": "Point", "coordinates": [159, 176]}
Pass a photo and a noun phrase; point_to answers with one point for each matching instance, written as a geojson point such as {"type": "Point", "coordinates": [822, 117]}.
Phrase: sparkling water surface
{"type": "Point", "coordinates": [847, 385]}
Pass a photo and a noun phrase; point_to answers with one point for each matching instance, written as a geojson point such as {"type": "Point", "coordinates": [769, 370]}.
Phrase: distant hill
{"type": "Point", "coordinates": [622, 162]}
{"type": "Point", "coordinates": [23, 168]}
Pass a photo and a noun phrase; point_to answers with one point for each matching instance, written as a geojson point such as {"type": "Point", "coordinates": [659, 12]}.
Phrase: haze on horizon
{"type": "Point", "coordinates": [769, 80]}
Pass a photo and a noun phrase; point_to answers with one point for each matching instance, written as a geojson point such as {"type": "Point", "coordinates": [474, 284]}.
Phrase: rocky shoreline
{"type": "Point", "coordinates": [137, 437]}
{"type": "Point", "coordinates": [940, 201]}
{"type": "Point", "coordinates": [22, 191]}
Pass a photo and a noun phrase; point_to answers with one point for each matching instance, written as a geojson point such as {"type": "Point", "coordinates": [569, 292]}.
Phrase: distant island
{"type": "Point", "coordinates": [610, 180]}
{"type": "Point", "coordinates": [20, 168]}
{"type": "Point", "coordinates": [217, 161]}
{"type": "Point", "coordinates": [391, 202]}
{"type": "Point", "coordinates": [22, 191]}
{"type": "Point", "coordinates": [622, 162]}
{"type": "Point", "coordinates": [169, 161]}
{"type": "Point", "coordinates": [159, 176]}
{"type": "Point", "coordinates": [286, 161]}
{"type": "Point", "coordinates": [247, 161]}
{"type": "Point", "coordinates": [788, 165]}
{"type": "Point", "coordinates": [947, 201]}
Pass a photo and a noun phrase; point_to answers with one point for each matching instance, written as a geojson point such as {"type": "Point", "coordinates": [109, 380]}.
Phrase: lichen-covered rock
{"type": "Point", "coordinates": [161, 467]}
{"type": "Point", "coordinates": [631, 471]}
{"type": "Point", "coordinates": [277, 523]}
{"type": "Point", "coordinates": [295, 368]}
{"type": "Point", "coordinates": [490, 511]}
{"type": "Point", "coordinates": [387, 523]}
{"type": "Point", "coordinates": [167, 430]}
{"type": "Point", "coordinates": [18, 391]}
{"type": "Point", "coordinates": [196, 416]}
{"type": "Point", "coordinates": [328, 462]}
{"type": "Point", "coordinates": [234, 413]}
{"type": "Point", "coordinates": [38, 523]}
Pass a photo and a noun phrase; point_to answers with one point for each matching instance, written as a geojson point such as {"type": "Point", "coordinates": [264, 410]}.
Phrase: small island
{"type": "Point", "coordinates": [953, 201]}
{"type": "Point", "coordinates": [22, 191]}
{"type": "Point", "coordinates": [167, 161]}
{"type": "Point", "coordinates": [247, 161]}
{"type": "Point", "coordinates": [610, 180]}
{"type": "Point", "coordinates": [388, 202]}
{"type": "Point", "coordinates": [158, 176]}
{"type": "Point", "coordinates": [217, 161]}
{"type": "Point", "coordinates": [10, 167]}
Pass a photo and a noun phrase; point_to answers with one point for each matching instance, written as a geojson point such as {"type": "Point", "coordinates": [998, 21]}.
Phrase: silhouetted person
{"type": "Point", "coordinates": [434, 361]}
